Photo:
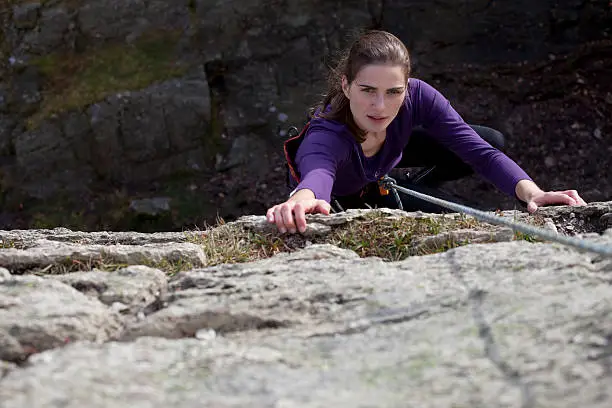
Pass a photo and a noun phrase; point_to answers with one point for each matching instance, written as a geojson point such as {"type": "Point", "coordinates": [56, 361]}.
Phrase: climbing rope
{"type": "Point", "coordinates": [391, 184]}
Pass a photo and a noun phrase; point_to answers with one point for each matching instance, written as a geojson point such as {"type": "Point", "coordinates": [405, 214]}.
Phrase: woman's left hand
{"type": "Point", "coordinates": [543, 198]}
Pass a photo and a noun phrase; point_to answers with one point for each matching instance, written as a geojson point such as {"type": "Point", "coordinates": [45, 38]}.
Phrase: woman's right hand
{"type": "Point", "coordinates": [291, 215]}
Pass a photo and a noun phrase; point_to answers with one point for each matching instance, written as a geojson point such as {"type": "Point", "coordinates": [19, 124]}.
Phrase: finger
{"type": "Point", "coordinates": [532, 207]}
{"type": "Point", "coordinates": [566, 199]}
{"type": "Point", "coordinates": [270, 215]}
{"type": "Point", "coordinates": [555, 197]}
{"type": "Point", "coordinates": [278, 219]}
{"type": "Point", "coordinates": [323, 207]}
{"type": "Point", "coordinates": [287, 213]}
{"type": "Point", "coordinates": [300, 217]}
{"type": "Point", "coordinates": [574, 194]}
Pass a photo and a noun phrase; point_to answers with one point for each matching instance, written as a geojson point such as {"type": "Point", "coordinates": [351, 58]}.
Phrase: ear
{"type": "Point", "coordinates": [345, 86]}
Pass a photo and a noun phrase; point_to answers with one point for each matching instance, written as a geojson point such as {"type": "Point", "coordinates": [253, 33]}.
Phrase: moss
{"type": "Point", "coordinates": [75, 80]}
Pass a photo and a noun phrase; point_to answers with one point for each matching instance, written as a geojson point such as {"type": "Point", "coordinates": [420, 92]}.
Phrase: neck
{"type": "Point", "coordinates": [376, 135]}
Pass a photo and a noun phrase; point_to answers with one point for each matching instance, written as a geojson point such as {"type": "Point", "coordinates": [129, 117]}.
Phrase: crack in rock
{"type": "Point", "coordinates": [168, 323]}
{"type": "Point", "coordinates": [491, 349]}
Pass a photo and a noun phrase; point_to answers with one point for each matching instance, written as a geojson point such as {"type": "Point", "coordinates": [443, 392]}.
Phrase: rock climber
{"type": "Point", "coordinates": [373, 118]}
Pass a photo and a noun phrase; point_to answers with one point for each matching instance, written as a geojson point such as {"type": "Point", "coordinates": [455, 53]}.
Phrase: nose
{"type": "Point", "coordinates": [378, 101]}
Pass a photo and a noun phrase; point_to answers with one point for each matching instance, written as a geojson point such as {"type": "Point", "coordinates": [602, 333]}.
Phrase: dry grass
{"type": "Point", "coordinates": [231, 243]}
{"type": "Point", "coordinates": [391, 239]}
{"type": "Point", "coordinates": [374, 235]}
{"type": "Point", "coordinates": [70, 265]}
{"type": "Point", "coordinates": [6, 244]}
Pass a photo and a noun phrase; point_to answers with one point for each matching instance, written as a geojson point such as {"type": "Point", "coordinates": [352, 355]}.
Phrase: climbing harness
{"type": "Point", "coordinates": [290, 147]}
{"type": "Point", "coordinates": [389, 183]}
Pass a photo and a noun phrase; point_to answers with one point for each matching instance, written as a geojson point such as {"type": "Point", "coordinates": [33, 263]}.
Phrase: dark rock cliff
{"type": "Point", "coordinates": [151, 114]}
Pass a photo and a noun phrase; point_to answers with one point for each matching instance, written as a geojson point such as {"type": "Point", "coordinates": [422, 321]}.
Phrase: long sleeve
{"type": "Point", "coordinates": [441, 120]}
{"type": "Point", "coordinates": [318, 159]}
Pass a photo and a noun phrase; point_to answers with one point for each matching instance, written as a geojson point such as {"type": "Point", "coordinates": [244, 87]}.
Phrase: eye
{"type": "Point", "coordinates": [368, 90]}
{"type": "Point", "coordinates": [395, 91]}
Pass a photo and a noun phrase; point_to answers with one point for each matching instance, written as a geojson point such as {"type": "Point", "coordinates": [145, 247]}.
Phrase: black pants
{"type": "Point", "coordinates": [439, 165]}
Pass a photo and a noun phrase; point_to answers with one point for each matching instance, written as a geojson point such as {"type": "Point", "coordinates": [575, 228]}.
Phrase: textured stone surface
{"type": "Point", "coordinates": [137, 136]}
{"type": "Point", "coordinates": [46, 253]}
{"type": "Point", "coordinates": [505, 324]}
{"type": "Point", "coordinates": [37, 314]}
{"type": "Point", "coordinates": [28, 238]}
{"type": "Point", "coordinates": [54, 31]}
{"type": "Point", "coordinates": [116, 19]}
{"type": "Point", "coordinates": [5, 367]}
{"type": "Point", "coordinates": [26, 15]}
{"type": "Point", "coordinates": [136, 287]}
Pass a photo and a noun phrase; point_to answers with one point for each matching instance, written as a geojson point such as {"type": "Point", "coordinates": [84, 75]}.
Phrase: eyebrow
{"type": "Point", "coordinates": [373, 87]}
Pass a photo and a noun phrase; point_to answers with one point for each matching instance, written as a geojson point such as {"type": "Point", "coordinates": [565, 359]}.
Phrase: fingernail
{"type": "Point", "coordinates": [292, 230]}
{"type": "Point", "coordinates": [282, 230]}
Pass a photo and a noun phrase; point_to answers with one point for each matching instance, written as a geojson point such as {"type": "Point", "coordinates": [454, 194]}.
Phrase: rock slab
{"type": "Point", "coordinates": [503, 324]}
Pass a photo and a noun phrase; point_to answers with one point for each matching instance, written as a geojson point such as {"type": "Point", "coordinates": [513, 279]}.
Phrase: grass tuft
{"type": "Point", "coordinates": [231, 243]}
{"type": "Point", "coordinates": [70, 265]}
{"type": "Point", "coordinates": [374, 235]}
{"type": "Point", "coordinates": [391, 239]}
{"type": "Point", "coordinates": [8, 244]}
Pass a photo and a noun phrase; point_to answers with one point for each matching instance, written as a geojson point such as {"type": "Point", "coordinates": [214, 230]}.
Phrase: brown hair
{"type": "Point", "coordinates": [371, 47]}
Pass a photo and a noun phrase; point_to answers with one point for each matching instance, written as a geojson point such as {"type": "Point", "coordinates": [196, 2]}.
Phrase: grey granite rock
{"type": "Point", "coordinates": [504, 324]}
{"type": "Point", "coordinates": [5, 368]}
{"type": "Point", "coordinates": [50, 253]}
{"type": "Point", "coordinates": [38, 314]}
{"type": "Point", "coordinates": [137, 287]}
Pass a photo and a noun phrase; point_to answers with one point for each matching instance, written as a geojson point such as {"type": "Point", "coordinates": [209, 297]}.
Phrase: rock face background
{"type": "Point", "coordinates": [154, 115]}
{"type": "Point", "coordinates": [505, 323]}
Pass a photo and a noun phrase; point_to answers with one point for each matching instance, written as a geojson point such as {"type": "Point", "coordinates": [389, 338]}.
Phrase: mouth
{"type": "Point", "coordinates": [377, 118]}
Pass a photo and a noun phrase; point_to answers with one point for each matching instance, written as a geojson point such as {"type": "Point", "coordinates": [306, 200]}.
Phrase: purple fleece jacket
{"type": "Point", "coordinates": [332, 163]}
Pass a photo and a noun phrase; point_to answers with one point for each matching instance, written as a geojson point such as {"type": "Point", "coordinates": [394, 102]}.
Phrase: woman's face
{"type": "Point", "coordinates": [376, 95]}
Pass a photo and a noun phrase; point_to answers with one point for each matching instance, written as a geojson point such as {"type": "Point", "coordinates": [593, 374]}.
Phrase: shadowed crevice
{"type": "Point", "coordinates": [222, 322]}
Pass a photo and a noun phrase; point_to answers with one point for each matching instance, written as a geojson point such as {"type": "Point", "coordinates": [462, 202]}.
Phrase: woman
{"type": "Point", "coordinates": [365, 126]}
